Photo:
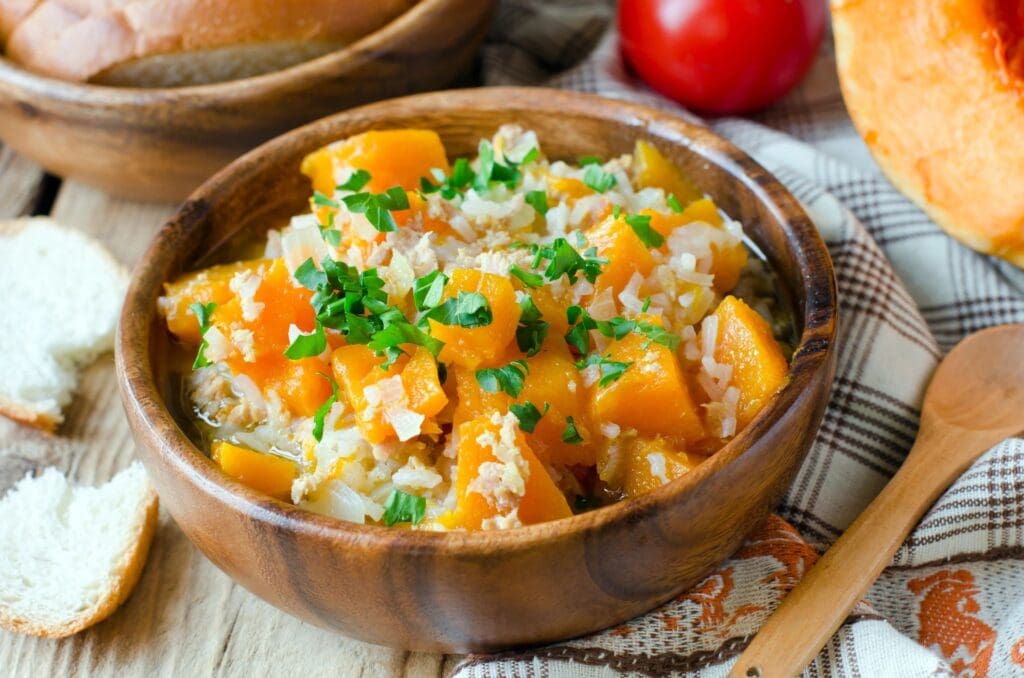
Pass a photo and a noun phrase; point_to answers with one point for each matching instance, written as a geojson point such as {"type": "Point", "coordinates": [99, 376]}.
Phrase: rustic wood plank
{"type": "Point", "coordinates": [20, 184]}
{"type": "Point", "coordinates": [185, 617]}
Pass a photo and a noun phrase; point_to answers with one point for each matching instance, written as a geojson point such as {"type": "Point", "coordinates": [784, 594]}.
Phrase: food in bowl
{"type": "Point", "coordinates": [173, 43]}
{"type": "Point", "coordinates": [483, 344]}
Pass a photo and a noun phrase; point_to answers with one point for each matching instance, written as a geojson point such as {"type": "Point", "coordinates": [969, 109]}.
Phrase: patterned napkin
{"type": "Point", "coordinates": [952, 602]}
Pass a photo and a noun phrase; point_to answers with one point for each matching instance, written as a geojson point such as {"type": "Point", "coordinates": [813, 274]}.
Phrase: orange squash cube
{"type": "Point", "coordinates": [265, 473]}
{"type": "Point", "coordinates": [397, 157]}
{"type": "Point", "coordinates": [355, 368]}
{"type": "Point", "coordinates": [759, 368]}
{"type": "Point", "coordinates": [555, 380]}
{"type": "Point", "coordinates": [616, 241]}
{"type": "Point", "coordinates": [651, 396]}
{"type": "Point", "coordinates": [473, 401]}
{"type": "Point", "coordinates": [704, 210]}
{"type": "Point", "coordinates": [472, 347]}
{"type": "Point", "coordinates": [644, 464]}
{"type": "Point", "coordinates": [653, 170]}
{"type": "Point", "coordinates": [541, 500]}
{"type": "Point", "coordinates": [210, 284]}
{"type": "Point", "coordinates": [422, 384]}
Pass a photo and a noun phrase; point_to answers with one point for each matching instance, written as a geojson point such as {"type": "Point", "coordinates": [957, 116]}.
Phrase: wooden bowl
{"type": "Point", "coordinates": [482, 590]}
{"type": "Point", "coordinates": [160, 144]}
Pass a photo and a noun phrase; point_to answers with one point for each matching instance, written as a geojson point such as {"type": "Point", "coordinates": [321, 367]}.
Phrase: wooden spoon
{"type": "Point", "coordinates": [975, 401]}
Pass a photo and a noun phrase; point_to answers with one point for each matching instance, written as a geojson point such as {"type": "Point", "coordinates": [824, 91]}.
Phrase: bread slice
{"type": "Point", "coordinates": [71, 554]}
{"type": "Point", "coordinates": [62, 294]}
{"type": "Point", "coordinates": [90, 40]}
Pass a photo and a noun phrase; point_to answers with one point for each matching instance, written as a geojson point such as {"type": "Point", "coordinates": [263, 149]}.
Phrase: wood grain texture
{"type": "Point", "coordinates": [975, 400]}
{"type": "Point", "coordinates": [159, 144]}
{"type": "Point", "coordinates": [483, 591]}
{"type": "Point", "coordinates": [186, 617]}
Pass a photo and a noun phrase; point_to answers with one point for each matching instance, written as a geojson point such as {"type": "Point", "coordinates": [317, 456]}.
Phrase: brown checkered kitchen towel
{"type": "Point", "coordinates": [952, 603]}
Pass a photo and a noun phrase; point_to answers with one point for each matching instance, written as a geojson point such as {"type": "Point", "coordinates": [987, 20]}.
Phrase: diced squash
{"type": "Point", "coordinates": [644, 464]}
{"type": "Point", "coordinates": [417, 206]}
{"type": "Point", "coordinates": [541, 499]}
{"type": "Point", "coordinates": [210, 284]}
{"type": "Point", "coordinates": [355, 368]}
{"type": "Point", "coordinates": [654, 170]}
{"type": "Point", "coordinates": [396, 157]}
{"type": "Point", "coordinates": [303, 386]}
{"type": "Point", "coordinates": [551, 310]}
{"type": "Point", "coordinates": [701, 210]}
{"type": "Point", "coordinates": [727, 265]}
{"type": "Point", "coordinates": [422, 384]}
{"type": "Point", "coordinates": [759, 368]}
{"type": "Point", "coordinates": [651, 396]}
{"type": "Point", "coordinates": [472, 347]}
{"type": "Point", "coordinates": [555, 380]}
{"type": "Point", "coordinates": [473, 401]}
{"type": "Point", "coordinates": [265, 473]}
{"type": "Point", "coordinates": [569, 187]}
{"type": "Point", "coordinates": [616, 241]}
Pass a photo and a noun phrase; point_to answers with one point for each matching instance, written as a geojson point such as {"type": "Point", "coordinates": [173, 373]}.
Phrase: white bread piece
{"type": "Point", "coordinates": [95, 40]}
{"type": "Point", "coordinates": [62, 295]}
{"type": "Point", "coordinates": [71, 554]}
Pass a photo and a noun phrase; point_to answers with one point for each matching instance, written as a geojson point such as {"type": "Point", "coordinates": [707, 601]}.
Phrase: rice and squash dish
{"type": "Point", "coordinates": [480, 343]}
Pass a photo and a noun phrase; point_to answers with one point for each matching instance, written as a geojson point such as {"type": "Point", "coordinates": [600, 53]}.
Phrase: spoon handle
{"type": "Point", "coordinates": [818, 605]}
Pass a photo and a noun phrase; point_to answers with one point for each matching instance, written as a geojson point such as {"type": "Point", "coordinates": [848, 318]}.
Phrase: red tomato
{"type": "Point", "coordinates": [721, 56]}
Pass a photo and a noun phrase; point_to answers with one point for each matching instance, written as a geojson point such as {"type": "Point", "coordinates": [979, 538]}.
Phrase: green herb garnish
{"type": "Point", "coordinates": [570, 434]}
{"type": "Point", "coordinates": [533, 280]}
{"type": "Point", "coordinates": [611, 370]}
{"type": "Point", "coordinates": [528, 414]}
{"type": "Point", "coordinates": [538, 200]}
{"type": "Point", "coordinates": [321, 200]}
{"type": "Point", "coordinates": [427, 291]}
{"type": "Point", "coordinates": [308, 345]}
{"type": "Point", "coordinates": [404, 508]}
{"type": "Point", "coordinates": [641, 225]}
{"type": "Point", "coordinates": [378, 207]}
{"type": "Point", "coordinates": [597, 179]}
{"type": "Point", "coordinates": [202, 312]}
{"type": "Point", "coordinates": [673, 203]}
{"type": "Point", "coordinates": [449, 186]}
{"type": "Point", "coordinates": [323, 410]}
{"type": "Point", "coordinates": [531, 331]}
{"type": "Point", "coordinates": [508, 378]}
{"type": "Point", "coordinates": [588, 160]}
{"type": "Point", "coordinates": [469, 310]}
{"type": "Point", "coordinates": [489, 169]}
{"type": "Point", "coordinates": [356, 181]}
{"type": "Point", "coordinates": [564, 259]}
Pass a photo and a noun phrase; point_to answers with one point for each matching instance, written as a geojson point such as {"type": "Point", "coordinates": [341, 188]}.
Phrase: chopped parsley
{"type": "Point", "coordinates": [610, 369]}
{"type": "Point", "coordinates": [308, 345]}
{"type": "Point", "coordinates": [489, 169]}
{"type": "Point", "coordinates": [469, 310]}
{"type": "Point", "coordinates": [427, 291]}
{"type": "Point", "coordinates": [324, 410]}
{"type": "Point", "coordinates": [356, 181]}
{"type": "Point", "coordinates": [449, 186]}
{"type": "Point", "coordinates": [597, 179]}
{"type": "Point", "coordinates": [533, 280]}
{"type": "Point", "coordinates": [397, 330]}
{"type": "Point", "coordinates": [538, 200]}
{"type": "Point", "coordinates": [585, 160]}
{"type": "Point", "coordinates": [564, 259]}
{"type": "Point", "coordinates": [404, 508]}
{"type": "Point", "coordinates": [673, 203]}
{"type": "Point", "coordinates": [528, 414]}
{"type": "Point", "coordinates": [202, 312]}
{"type": "Point", "coordinates": [571, 434]}
{"type": "Point", "coordinates": [378, 207]}
{"type": "Point", "coordinates": [616, 211]}
{"type": "Point", "coordinates": [531, 331]}
{"type": "Point", "coordinates": [581, 322]}
{"type": "Point", "coordinates": [508, 378]}
{"type": "Point", "coordinates": [658, 334]}
{"type": "Point", "coordinates": [641, 225]}
{"type": "Point", "coordinates": [321, 200]}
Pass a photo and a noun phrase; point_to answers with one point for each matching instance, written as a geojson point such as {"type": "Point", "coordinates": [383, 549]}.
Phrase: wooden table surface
{"type": "Point", "coordinates": [186, 617]}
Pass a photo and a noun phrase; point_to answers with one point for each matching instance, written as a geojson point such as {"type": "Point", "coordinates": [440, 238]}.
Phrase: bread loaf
{"type": "Point", "coordinates": [170, 43]}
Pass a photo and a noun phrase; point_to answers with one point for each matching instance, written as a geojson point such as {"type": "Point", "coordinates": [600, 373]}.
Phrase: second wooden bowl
{"type": "Point", "coordinates": [482, 590]}
{"type": "Point", "coordinates": [160, 144]}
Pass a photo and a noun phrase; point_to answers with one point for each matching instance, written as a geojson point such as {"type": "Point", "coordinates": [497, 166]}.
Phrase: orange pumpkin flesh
{"type": "Point", "coordinates": [936, 88]}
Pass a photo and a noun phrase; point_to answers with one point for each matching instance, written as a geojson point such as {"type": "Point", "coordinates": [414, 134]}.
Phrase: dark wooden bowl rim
{"type": "Point", "coordinates": [810, 356]}
{"type": "Point", "coordinates": [226, 93]}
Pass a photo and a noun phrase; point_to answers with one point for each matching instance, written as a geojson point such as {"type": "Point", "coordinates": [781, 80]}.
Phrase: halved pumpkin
{"type": "Point", "coordinates": [936, 88]}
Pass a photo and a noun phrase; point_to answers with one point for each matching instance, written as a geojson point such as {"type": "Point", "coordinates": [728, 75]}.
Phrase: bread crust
{"type": "Point", "coordinates": [927, 91]}
{"type": "Point", "coordinates": [80, 39]}
{"type": "Point", "coordinates": [122, 581]}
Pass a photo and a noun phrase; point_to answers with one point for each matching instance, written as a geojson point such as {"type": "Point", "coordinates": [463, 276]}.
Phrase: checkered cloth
{"type": "Point", "coordinates": [952, 602]}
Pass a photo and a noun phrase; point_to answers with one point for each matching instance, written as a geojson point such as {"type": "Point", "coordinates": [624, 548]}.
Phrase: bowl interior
{"type": "Point", "coordinates": [264, 188]}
